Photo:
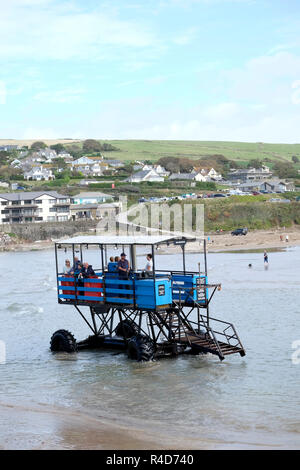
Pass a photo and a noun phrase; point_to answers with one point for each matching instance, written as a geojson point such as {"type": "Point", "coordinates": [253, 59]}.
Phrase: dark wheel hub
{"type": "Point", "coordinates": [64, 341]}
{"type": "Point", "coordinates": [140, 348]}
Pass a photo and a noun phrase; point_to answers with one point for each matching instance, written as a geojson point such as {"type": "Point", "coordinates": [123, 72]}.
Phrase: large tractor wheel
{"type": "Point", "coordinates": [63, 341]}
{"type": "Point", "coordinates": [140, 348]}
{"type": "Point", "coordinates": [127, 328]}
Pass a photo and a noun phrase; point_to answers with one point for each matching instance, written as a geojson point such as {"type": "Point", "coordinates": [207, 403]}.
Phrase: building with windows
{"type": "Point", "coordinates": [91, 198]}
{"type": "Point", "coordinates": [39, 174]}
{"type": "Point", "coordinates": [242, 175]}
{"type": "Point", "coordinates": [38, 206]}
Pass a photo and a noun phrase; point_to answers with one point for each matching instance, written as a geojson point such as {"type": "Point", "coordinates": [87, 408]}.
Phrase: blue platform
{"type": "Point", "coordinates": [145, 293]}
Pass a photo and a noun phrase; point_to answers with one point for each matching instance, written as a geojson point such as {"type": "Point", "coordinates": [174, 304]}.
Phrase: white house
{"type": "Point", "coordinates": [145, 175]}
{"type": "Point", "coordinates": [82, 161]}
{"type": "Point", "coordinates": [39, 174]}
{"type": "Point", "coordinates": [211, 174]}
{"type": "Point", "coordinates": [16, 163]}
{"type": "Point", "coordinates": [47, 154]}
{"type": "Point", "coordinates": [188, 177]}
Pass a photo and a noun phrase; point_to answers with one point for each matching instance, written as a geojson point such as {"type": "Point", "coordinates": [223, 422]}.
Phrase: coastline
{"type": "Point", "coordinates": [44, 427]}
{"type": "Point", "coordinates": [221, 242]}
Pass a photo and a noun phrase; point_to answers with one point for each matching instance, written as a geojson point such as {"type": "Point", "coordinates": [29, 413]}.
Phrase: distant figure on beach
{"type": "Point", "coordinates": [249, 265]}
{"type": "Point", "coordinates": [281, 238]}
{"type": "Point", "coordinates": [286, 238]}
{"type": "Point", "coordinates": [266, 259]}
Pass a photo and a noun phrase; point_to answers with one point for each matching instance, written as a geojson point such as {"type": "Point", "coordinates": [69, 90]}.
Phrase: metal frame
{"type": "Point", "coordinates": [169, 327]}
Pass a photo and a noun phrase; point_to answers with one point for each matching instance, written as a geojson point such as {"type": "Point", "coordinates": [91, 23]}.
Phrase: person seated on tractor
{"type": "Point", "coordinates": [112, 266]}
{"type": "Point", "coordinates": [75, 265]}
{"type": "Point", "coordinates": [79, 275]}
{"type": "Point", "coordinates": [123, 270]}
{"type": "Point", "coordinates": [67, 267]}
{"type": "Point", "coordinates": [87, 270]}
{"type": "Point", "coordinates": [148, 271]}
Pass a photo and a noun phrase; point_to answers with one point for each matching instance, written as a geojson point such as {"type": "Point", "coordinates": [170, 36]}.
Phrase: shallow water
{"type": "Point", "coordinates": [252, 400]}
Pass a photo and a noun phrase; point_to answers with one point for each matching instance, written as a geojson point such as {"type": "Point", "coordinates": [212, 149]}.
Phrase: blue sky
{"type": "Point", "coordinates": [146, 69]}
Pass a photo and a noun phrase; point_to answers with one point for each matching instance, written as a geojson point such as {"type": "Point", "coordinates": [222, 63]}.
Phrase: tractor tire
{"type": "Point", "coordinates": [140, 348]}
{"type": "Point", "coordinates": [126, 329]}
{"type": "Point", "coordinates": [63, 341]}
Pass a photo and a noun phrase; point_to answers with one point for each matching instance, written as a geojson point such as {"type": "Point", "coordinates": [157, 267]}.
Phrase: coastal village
{"type": "Point", "coordinates": [63, 182]}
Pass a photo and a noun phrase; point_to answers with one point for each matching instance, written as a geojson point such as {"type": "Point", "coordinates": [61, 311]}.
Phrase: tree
{"type": "Point", "coordinates": [295, 159]}
{"type": "Point", "coordinates": [285, 170]}
{"type": "Point", "coordinates": [91, 145]}
{"type": "Point", "coordinates": [58, 148]}
{"type": "Point", "coordinates": [38, 145]}
{"type": "Point", "coordinates": [75, 151]}
{"type": "Point", "coordinates": [170, 164]}
{"type": "Point", "coordinates": [108, 147]}
{"type": "Point", "coordinates": [59, 162]}
{"type": "Point", "coordinates": [186, 165]}
{"type": "Point", "coordinates": [3, 157]}
{"type": "Point", "coordinates": [254, 163]}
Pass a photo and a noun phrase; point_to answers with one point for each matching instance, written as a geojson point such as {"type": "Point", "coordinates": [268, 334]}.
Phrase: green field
{"type": "Point", "coordinates": [239, 151]}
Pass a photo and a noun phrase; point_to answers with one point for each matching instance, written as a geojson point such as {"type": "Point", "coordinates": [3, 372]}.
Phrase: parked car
{"type": "Point", "coordinates": [240, 231]}
{"type": "Point", "coordinates": [278, 199]}
{"type": "Point", "coordinates": [219, 195]}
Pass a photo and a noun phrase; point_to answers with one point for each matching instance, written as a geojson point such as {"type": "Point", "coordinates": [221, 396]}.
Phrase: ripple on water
{"type": "Point", "coordinates": [19, 309]}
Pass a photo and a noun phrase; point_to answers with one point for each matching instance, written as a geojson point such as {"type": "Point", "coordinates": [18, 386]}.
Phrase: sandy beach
{"type": "Point", "coordinates": [44, 427]}
{"type": "Point", "coordinates": [216, 242]}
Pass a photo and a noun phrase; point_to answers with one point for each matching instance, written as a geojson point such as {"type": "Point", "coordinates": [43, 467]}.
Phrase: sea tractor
{"type": "Point", "coordinates": [164, 313]}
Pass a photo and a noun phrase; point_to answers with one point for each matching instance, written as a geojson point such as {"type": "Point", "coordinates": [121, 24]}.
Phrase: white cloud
{"type": "Point", "coordinates": [60, 96]}
{"type": "Point", "coordinates": [41, 29]}
{"type": "Point", "coordinates": [38, 133]}
{"type": "Point", "coordinates": [186, 37]}
{"type": "Point", "coordinates": [263, 106]}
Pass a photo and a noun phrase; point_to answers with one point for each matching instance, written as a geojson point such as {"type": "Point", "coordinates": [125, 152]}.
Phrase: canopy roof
{"type": "Point", "coordinates": [125, 240]}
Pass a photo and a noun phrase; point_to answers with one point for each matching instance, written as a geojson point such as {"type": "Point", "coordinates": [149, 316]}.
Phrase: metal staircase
{"type": "Point", "coordinates": [201, 337]}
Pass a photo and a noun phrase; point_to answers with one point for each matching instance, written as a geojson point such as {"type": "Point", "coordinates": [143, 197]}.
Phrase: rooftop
{"type": "Point", "coordinates": [90, 194]}
{"type": "Point", "coordinates": [30, 195]}
{"type": "Point", "coordinates": [124, 240]}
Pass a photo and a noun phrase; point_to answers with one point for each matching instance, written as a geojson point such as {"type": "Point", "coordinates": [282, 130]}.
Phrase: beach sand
{"type": "Point", "coordinates": [254, 240]}
{"type": "Point", "coordinates": [43, 427]}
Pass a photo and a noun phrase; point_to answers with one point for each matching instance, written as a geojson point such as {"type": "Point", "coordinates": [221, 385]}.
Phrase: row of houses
{"type": "Point", "coordinates": [157, 173]}
{"type": "Point", "coordinates": [36, 166]}
{"type": "Point", "coordinates": [50, 206]}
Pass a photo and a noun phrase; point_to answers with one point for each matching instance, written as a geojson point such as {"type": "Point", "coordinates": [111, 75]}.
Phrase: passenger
{"type": "Point", "coordinates": [111, 259]}
{"type": "Point", "coordinates": [148, 271]}
{"type": "Point", "coordinates": [87, 270]}
{"type": "Point", "coordinates": [123, 270]}
{"type": "Point", "coordinates": [67, 267]}
{"type": "Point", "coordinates": [117, 259]}
{"type": "Point", "coordinates": [80, 278]}
{"type": "Point", "coordinates": [76, 263]}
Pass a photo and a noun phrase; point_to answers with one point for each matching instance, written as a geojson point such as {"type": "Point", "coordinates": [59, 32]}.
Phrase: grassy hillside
{"type": "Point", "coordinates": [239, 151]}
{"type": "Point", "coordinates": [155, 149]}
